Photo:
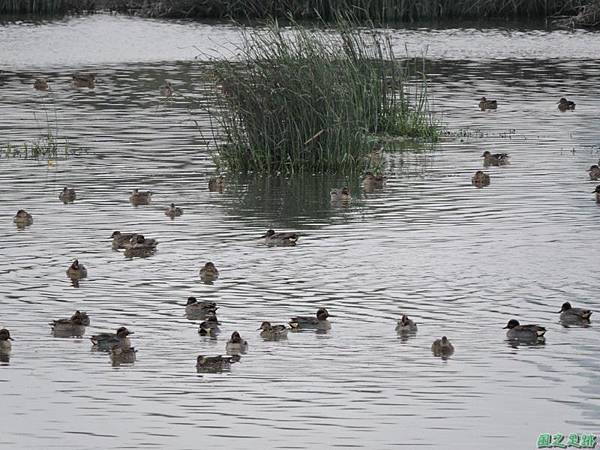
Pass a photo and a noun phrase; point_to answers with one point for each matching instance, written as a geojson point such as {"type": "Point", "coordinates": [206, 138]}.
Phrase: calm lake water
{"type": "Point", "coordinates": [460, 261]}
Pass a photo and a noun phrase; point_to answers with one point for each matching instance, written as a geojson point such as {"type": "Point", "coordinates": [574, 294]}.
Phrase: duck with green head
{"type": "Point", "coordinates": [104, 342]}
{"type": "Point", "coordinates": [570, 315]}
{"type": "Point", "coordinates": [210, 326]}
{"type": "Point", "coordinates": [74, 326]}
{"type": "Point", "coordinates": [442, 347]}
{"type": "Point", "coordinates": [76, 270]}
{"type": "Point", "coordinates": [318, 321]}
{"type": "Point", "coordinates": [273, 332]}
{"type": "Point", "coordinates": [236, 345]}
{"type": "Point", "coordinates": [525, 333]}
{"type": "Point", "coordinates": [280, 239]}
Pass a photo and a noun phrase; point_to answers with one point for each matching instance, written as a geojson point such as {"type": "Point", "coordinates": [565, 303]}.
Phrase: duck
{"type": "Point", "coordinates": [166, 90]}
{"type": "Point", "coordinates": [597, 192]}
{"type": "Point", "coordinates": [280, 239]}
{"type": "Point", "coordinates": [140, 247]}
{"type": "Point", "coordinates": [209, 272]}
{"type": "Point", "coordinates": [318, 321]}
{"type": "Point", "coordinates": [5, 344]}
{"type": "Point", "coordinates": [73, 326]}
{"type": "Point", "coordinates": [496, 159]}
{"type": "Point", "coordinates": [406, 325]}
{"type": "Point", "coordinates": [594, 172]}
{"type": "Point", "coordinates": [67, 195]}
{"type": "Point", "coordinates": [173, 211]}
{"type": "Point", "coordinates": [273, 332]}
{"type": "Point", "coordinates": [566, 105]}
{"type": "Point", "coordinates": [138, 197]}
{"type": "Point", "coordinates": [210, 327]}
{"type": "Point", "coordinates": [371, 182]}
{"type": "Point", "coordinates": [340, 195]}
{"type": "Point", "coordinates": [40, 84]}
{"type": "Point", "coordinates": [76, 271]}
{"type": "Point", "coordinates": [23, 218]}
{"type": "Point", "coordinates": [484, 104]}
{"type": "Point", "coordinates": [520, 332]}
{"type": "Point", "coordinates": [480, 179]}
{"type": "Point", "coordinates": [121, 240]}
{"type": "Point", "coordinates": [84, 80]}
{"type": "Point", "coordinates": [122, 355]}
{"type": "Point", "coordinates": [216, 184]}
{"type": "Point", "coordinates": [212, 364]}
{"type": "Point", "coordinates": [194, 308]}
{"type": "Point", "coordinates": [106, 341]}
{"type": "Point", "coordinates": [570, 314]}
{"type": "Point", "coordinates": [236, 345]}
{"type": "Point", "coordinates": [442, 347]}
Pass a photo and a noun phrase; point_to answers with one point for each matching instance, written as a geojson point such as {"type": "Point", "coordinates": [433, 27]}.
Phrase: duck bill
{"type": "Point", "coordinates": [504, 328]}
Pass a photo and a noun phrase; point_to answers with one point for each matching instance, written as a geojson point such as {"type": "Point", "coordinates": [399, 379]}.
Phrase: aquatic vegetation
{"type": "Point", "coordinates": [45, 7]}
{"type": "Point", "coordinates": [48, 146]}
{"type": "Point", "coordinates": [306, 100]}
{"type": "Point", "coordinates": [380, 10]}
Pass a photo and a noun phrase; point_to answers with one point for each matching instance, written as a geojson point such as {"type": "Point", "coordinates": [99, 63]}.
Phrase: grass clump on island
{"type": "Point", "coordinates": [311, 100]}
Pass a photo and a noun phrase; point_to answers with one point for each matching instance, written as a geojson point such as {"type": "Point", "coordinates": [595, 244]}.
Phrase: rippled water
{"type": "Point", "coordinates": [460, 261]}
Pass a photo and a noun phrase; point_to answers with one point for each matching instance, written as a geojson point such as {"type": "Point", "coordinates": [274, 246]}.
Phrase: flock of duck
{"type": "Point", "coordinates": [118, 344]}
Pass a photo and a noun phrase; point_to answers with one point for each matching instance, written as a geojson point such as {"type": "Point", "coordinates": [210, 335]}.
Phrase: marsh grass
{"type": "Point", "coordinates": [45, 7]}
{"type": "Point", "coordinates": [308, 100]}
{"type": "Point", "coordinates": [328, 10]}
{"type": "Point", "coordinates": [48, 145]}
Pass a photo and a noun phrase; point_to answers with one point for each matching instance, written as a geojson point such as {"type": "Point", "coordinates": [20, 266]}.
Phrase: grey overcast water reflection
{"type": "Point", "coordinates": [460, 261]}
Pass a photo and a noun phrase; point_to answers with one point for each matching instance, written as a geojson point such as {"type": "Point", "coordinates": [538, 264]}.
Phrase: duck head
{"type": "Point", "coordinates": [445, 342]}
{"type": "Point", "coordinates": [269, 233]}
{"type": "Point", "coordinates": [123, 332]}
{"type": "Point", "coordinates": [200, 360]}
{"type": "Point", "coordinates": [597, 190]}
{"type": "Point", "coordinates": [236, 338]}
{"type": "Point", "coordinates": [115, 234]}
{"type": "Point", "coordinates": [5, 335]}
{"type": "Point", "coordinates": [483, 99]}
{"type": "Point", "coordinates": [191, 301]}
{"type": "Point", "coordinates": [565, 307]}
{"type": "Point", "coordinates": [512, 323]}
{"type": "Point", "coordinates": [80, 318]}
{"type": "Point", "coordinates": [75, 265]}
{"type": "Point", "coordinates": [21, 213]}
{"type": "Point", "coordinates": [345, 191]}
{"type": "Point", "coordinates": [172, 205]}
{"type": "Point", "coordinates": [322, 314]}
{"type": "Point", "coordinates": [486, 153]}
{"type": "Point", "coordinates": [562, 101]}
{"type": "Point", "coordinates": [265, 326]}
{"type": "Point", "coordinates": [594, 167]}
{"type": "Point", "coordinates": [405, 320]}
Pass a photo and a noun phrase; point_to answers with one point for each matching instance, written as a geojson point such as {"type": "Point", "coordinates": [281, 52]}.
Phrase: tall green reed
{"type": "Point", "coordinates": [309, 100]}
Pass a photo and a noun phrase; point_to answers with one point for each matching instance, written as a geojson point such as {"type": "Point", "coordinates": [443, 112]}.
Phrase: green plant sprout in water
{"type": "Point", "coordinates": [46, 147]}
{"type": "Point", "coordinates": [310, 101]}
